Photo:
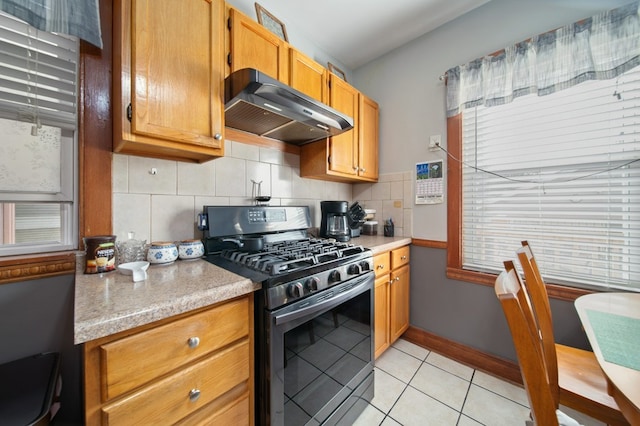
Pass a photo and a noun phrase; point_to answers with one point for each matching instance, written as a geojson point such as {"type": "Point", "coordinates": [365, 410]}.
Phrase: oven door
{"type": "Point", "coordinates": [320, 362]}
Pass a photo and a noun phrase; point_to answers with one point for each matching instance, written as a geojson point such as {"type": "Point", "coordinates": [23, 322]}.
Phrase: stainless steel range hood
{"type": "Point", "coordinates": [258, 104]}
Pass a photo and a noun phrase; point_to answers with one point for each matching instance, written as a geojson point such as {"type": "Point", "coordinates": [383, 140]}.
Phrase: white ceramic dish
{"type": "Point", "coordinates": [137, 269]}
{"type": "Point", "coordinates": [128, 268]}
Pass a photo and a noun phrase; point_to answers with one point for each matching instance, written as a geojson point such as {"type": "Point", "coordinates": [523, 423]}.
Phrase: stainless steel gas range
{"type": "Point", "coordinates": [314, 314]}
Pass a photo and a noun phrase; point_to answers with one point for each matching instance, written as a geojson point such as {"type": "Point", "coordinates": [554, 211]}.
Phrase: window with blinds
{"type": "Point", "coordinates": [563, 172]}
{"type": "Point", "coordinates": [38, 144]}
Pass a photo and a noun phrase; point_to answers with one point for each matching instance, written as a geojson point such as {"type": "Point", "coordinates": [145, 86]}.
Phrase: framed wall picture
{"type": "Point", "coordinates": [337, 71]}
{"type": "Point", "coordinates": [272, 23]}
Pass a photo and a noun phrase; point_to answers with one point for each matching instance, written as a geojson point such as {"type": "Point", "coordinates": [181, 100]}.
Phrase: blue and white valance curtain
{"type": "Point", "coordinates": [601, 47]}
{"type": "Point", "coordinates": [79, 18]}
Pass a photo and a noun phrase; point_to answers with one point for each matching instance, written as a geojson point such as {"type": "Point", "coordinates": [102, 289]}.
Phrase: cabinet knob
{"type": "Point", "coordinates": [403, 257]}
{"type": "Point", "coordinates": [391, 282]}
{"type": "Point", "coordinates": [355, 169]}
{"type": "Point", "coordinates": [193, 342]}
{"type": "Point", "coordinates": [194, 394]}
{"type": "Point", "coordinates": [381, 266]}
{"type": "Point", "coordinates": [362, 169]}
{"type": "Point", "coordinates": [217, 136]}
{"type": "Point", "coordinates": [397, 278]}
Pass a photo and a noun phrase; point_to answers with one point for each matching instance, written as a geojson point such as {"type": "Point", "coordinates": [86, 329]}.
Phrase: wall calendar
{"type": "Point", "coordinates": [429, 183]}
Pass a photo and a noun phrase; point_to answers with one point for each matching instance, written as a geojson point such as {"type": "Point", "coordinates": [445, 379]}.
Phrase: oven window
{"type": "Point", "coordinates": [324, 357]}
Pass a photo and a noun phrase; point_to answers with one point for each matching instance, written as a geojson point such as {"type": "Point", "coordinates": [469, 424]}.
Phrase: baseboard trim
{"type": "Point", "coordinates": [490, 364]}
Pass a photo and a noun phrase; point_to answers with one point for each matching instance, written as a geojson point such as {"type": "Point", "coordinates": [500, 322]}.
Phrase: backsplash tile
{"type": "Point", "coordinates": [142, 179]}
{"type": "Point", "coordinates": [231, 176]}
{"type": "Point", "coordinates": [132, 212]}
{"type": "Point", "coordinates": [164, 206]}
{"type": "Point", "coordinates": [173, 217]}
{"type": "Point", "coordinates": [196, 179]}
{"type": "Point", "coordinates": [391, 197]}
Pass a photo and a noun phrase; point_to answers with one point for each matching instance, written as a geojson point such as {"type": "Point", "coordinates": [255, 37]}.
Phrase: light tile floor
{"type": "Point", "coordinates": [414, 386]}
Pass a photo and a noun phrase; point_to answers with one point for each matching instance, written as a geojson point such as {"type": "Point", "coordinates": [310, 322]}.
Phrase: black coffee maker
{"type": "Point", "coordinates": [334, 222]}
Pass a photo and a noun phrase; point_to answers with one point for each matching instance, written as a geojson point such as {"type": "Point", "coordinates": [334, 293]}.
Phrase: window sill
{"type": "Point", "coordinates": [555, 291]}
{"type": "Point", "coordinates": [36, 266]}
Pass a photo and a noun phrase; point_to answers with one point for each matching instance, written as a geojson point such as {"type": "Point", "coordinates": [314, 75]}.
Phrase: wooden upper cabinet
{"type": "Point", "coordinates": [168, 78]}
{"type": "Point", "coordinates": [351, 156]}
{"type": "Point", "coordinates": [343, 151]}
{"type": "Point", "coordinates": [368, 139]}
{"type": "Point", "coordinates": [307, 76]}
{"type": "Point", "coordinates": [254, 46]}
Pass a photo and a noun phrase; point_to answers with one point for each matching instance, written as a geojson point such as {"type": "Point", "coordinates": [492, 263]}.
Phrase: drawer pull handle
{"type": "Point", "coordinates": [380, 267]}
{"type": "Point", "coordinates": [194, 394]}
{"type": "Point", "coordinates": [403, 257]}
{"type": "Point", "coordinates": [193, 342]}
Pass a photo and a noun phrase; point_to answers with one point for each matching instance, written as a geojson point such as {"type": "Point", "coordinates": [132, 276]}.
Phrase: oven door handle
{"type": "Point", "coordinates": [329, 299]}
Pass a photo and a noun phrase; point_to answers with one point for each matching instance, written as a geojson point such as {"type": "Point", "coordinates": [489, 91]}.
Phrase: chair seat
{"type": "Point", "coordinates": [583, 385]}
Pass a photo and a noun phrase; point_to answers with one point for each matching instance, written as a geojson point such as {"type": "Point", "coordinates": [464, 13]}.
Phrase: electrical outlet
{"type": "Point", "coordinates": [434, 142]}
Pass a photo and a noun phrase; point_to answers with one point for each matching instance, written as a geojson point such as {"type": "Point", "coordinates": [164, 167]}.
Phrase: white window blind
{"type": "Point", "coordinates": [38, 74]}
{"type": "Point", "coordinates": [563, 172]}
{"type": "Point", "coordinates": [38, 144]}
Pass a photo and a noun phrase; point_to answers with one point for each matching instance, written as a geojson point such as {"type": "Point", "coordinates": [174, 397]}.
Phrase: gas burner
{"type": "Point", "coordinates": [291, 255]}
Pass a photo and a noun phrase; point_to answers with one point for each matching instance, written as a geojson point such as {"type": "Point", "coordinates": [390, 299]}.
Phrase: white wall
{"type": "Point", "coordinates": [405, 82]}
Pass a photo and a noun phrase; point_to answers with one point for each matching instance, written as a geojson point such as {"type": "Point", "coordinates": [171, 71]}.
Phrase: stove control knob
{"type": "Point", "coordinates": [334, 276]}
{"type": "Point", "coordinates": [353, 269]}
{"type": "Point", "coordinates": [364, 265]}
{"type": "Point", "coordinates": [295, 290]}
{"type": "Point", "coordinates": [311, 284]}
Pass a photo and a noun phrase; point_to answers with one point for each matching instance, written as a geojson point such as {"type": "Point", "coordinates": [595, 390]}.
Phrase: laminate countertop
{"type": "Point", "coordinates": [111, 302]}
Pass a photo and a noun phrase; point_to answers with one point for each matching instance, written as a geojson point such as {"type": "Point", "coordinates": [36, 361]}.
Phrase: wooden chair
{"type": "Point", "coordinates": [576, 372]}
{"type": "Point", "coordinates": [543, 395]}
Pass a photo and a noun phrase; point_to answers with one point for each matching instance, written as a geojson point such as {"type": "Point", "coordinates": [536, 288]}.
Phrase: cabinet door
{"type": "Point", "coordinates": [381, 338]}
{"type": "Point", "coordinates": [177, 70]}
{"type": "Point", "coordinates": [399, 302]}
{"type": "Point", "coordinates": [253, 46]}
{"type": "Point", "coordinates": [382, 264]}
{"type": "Point", "coordinates": [368, 138]}
{"type": "Point", "coordinates": [307, 76]}
{"type": "Point", "coordinates": [343, 150]}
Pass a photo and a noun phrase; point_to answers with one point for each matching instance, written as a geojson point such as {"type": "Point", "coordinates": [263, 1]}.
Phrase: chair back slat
{"type": "Point", "coordinates": [528, 345]}
{"type": "Point", "coordinates": [534, 286]}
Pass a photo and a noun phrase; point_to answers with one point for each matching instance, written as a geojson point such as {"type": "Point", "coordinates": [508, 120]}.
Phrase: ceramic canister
{"type": "Point", "coordinates": [190, 249]}
{"type": "Point", "coordinates": [162, 252]}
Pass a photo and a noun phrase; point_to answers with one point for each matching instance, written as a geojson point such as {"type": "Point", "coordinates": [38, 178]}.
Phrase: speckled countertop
{"type": "Point", "coordinates": [108, 303]}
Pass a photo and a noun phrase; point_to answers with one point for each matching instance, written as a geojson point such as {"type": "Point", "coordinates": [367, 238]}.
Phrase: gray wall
{"type": "Point", "coordinates": [470, 313]}
{"type": "Point", "coordinates": [37, 316]}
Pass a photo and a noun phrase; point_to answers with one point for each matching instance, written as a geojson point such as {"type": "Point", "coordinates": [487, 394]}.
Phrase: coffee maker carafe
{"type": "Point", "coordinates": [334, 222]}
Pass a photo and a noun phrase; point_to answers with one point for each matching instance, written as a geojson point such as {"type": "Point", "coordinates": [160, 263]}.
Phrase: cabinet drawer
{"type": "Point", "coordinates": [169, 399]}
{"type": "Point", "coordinates": [134, 360]}
{"type": "Point", "coordinates": [399, 257]}
{"type": "Point", "coordinates": [381, 264]}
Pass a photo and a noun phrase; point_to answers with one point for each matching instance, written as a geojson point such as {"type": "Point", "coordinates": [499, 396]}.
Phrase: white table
{"type": "Point", "coordinates": [623, 382]}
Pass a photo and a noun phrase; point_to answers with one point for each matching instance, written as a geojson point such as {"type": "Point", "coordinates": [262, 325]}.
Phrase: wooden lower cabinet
{"type": "Point", "coordinates": [391, 297]}
{"type": "Point", "coordinates": [193, 369]}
